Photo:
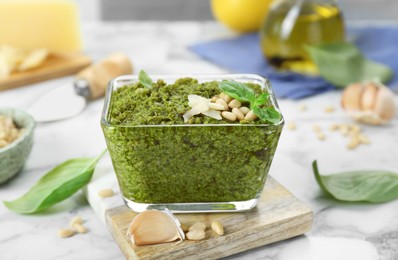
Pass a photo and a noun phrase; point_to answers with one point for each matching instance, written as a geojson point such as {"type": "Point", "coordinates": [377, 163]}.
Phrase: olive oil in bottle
{"type": "Point", "coordinates": [292, 24]}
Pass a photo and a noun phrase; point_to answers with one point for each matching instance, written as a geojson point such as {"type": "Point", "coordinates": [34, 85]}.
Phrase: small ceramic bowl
{"type": "Point", "coordinates": [14, 155]}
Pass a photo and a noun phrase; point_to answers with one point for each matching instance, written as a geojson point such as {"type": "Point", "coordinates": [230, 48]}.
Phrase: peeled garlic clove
{"type": "Point", "coordinates": [154, 227]}
{"type": "Point", "coordinates": [385, 104]}
{"type": "Point", "coordinates": [352, 97]}
{"type": "Point", "coordinates": [369, 96]}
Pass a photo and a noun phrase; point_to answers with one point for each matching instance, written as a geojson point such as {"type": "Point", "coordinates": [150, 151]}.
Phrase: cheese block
{"type": "Point", "coordinates": [51, 24]}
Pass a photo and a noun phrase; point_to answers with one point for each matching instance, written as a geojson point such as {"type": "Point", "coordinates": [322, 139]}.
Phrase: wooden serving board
{"type": "Point", "coordinates": [278, 216]}
{"type": "Point", "coordinates": [56, 65]}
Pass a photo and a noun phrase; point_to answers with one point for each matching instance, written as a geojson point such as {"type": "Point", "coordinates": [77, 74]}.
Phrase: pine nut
{"type": "Point", "coordinates": [316, 128]}
{"type": "Point", "coordinates": [197, 225]}
{"type": "Point", "coordinates": [334, 127]}
{"type": "Point", "coordinates": [235, 103]}
{"type": "Point", "coordinates": [218, 228]}
{"type": "Point", "coordinates": [302, 107]}
{"type": "Point", "coordinates": [329, 109]}
{"type": "Point", "coordinates": [80, 228]}
{"type": "Point", "coordinates": [75, 221]}
{"type": "Point", "coordinates": [229, 116]}
{"type": "Point", "coordinates": [250, 116]}
{"type": "Point", "coordinates": [216, 106]}
{"type": "Point", "coordinates": [214, 98]}
{"type": "Point", "coordinates": [105, 193]}
{"type": "Point", "coordinates": [65, 233]}
{"type": "Point", "coordinates": [321, 136]}
{"type": "Point", "coordinates": [344, 129]}
{"type": "Point", "coordinates": [227, 98]}
{"type": "Point", "coordinates": [291, 126]}
{"type": "Point", "coordinates": [196, 234]}
{"type": "Point", "coordinates": [223, 103]}
{"type": "Point", "coordinates": [239, 115]}
{"type": "Point", "coordinates": [244, 110]}
{"type": "Point", "coordinates": [363, 139]}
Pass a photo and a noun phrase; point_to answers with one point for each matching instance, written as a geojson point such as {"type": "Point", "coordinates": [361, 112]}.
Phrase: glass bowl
{"type": "Point", "coordinates": [191, 167]}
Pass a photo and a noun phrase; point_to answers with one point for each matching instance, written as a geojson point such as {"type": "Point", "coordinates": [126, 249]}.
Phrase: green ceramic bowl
{"type": "Point", "coordinates": [14, 155]}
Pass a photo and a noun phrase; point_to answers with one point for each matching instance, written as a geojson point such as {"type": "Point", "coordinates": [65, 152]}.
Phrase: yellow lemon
{"type": "Point", "coordinates": [241, 15]}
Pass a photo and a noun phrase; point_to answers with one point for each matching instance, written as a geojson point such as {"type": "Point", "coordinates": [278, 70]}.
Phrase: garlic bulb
{"type": "Point", "coordinates": [370, 103]}
{"type": "Point", "coordinates": [154, 227]}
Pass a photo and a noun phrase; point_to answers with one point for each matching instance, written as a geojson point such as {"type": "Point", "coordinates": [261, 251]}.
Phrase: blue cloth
{"type": "Point", "coordinates": [243, 55]}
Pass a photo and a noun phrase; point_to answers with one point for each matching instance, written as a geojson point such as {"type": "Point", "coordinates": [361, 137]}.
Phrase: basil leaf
{"type": "Point", "coordinates": [359, 186]}
{"type": "Point", "coordinates": [261, 100]}
{"type": "Point", "coordinates": [144, 79]}
{"type": "Point", "coordinates": [267, 114]}
{"type": "Point", "coordinates": [342, 63]}
{"type": "Point", "coordinates": [55, 186]}
{"type": "Point", "coordinates": [238, 91]}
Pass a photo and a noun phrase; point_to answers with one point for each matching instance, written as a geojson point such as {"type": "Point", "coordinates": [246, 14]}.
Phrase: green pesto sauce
{"type": "Point", "coordinates": [188, 162]}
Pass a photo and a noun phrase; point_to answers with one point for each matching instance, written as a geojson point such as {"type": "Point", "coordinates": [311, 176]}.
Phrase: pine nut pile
{"type": "Point", "coordinates": [9, 132]}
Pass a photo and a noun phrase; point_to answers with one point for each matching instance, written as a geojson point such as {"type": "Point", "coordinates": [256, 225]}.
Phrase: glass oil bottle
{"type": "Point", "coordinates": [292, 24]}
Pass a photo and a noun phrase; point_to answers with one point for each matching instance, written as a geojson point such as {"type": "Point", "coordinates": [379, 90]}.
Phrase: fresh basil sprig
{"type": "Point", "coordinates": [343, 63]}
{"type": "Point", "coordinates": [144, 79]}
{"type": "Point", "coordinates": [359, 186]}
{"type": "Point", "coordinates": [57, 185]}
{"type": "Point", "coordinates": [244, 93]}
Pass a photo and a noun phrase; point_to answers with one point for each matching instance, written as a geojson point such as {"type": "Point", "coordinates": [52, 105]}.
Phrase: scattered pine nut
{"type": "Point", "coordinates": [344, 129]}
{"type": "Point", "coordinates": [218, 228]}
{"type": "Point", "coordinates": [334, 127]}
{"type": "Point", "coordinates": [65, 233]}
{"type": "Point", "coordinates": [80, 228]}
{"type": "Point", "coordinates": [77, 220]}
{"type": "Point", "coordinates": [198, 225]}
{"type": "Point", "coordinates": [302, 107]}
{"type": "Point", "coordinates": [214, 98]}
{"type": "Point", "coordinates": [321, 136]}
{"type": "Point", "coordinates": [227, 98]}
{"type": "Point", "coordinates": [105, 193]}
{"type": "Point", "coordinates": [229, 116]}
{"type": "Point", "coordinates": [316, 128]}
{"type": "Point", "coordinates": [196, 234]}
{"type": "Point", "coordinates": [363, 139]}
{"type": "Point", "coordinates": [329, 109]}
{"type": "Point", "coordinates": [291, 126]}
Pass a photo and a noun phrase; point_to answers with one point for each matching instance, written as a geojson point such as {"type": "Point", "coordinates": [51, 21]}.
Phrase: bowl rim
{"type": "Point", "coordinates": [126, 79]}
{"type": "Point", "coordinates": [29, 127]}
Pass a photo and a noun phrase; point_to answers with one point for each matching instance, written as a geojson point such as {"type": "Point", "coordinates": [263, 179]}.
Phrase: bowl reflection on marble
{"type": "Point", "coordinates": [14, 155]}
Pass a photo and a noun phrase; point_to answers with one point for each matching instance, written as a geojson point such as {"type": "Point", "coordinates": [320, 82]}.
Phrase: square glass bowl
{"type": "Point", "coordinates": [191, 167]}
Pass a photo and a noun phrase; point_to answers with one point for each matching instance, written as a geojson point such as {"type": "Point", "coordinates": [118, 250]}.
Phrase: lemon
{"type": "Point", "coordinates": [241, 15]}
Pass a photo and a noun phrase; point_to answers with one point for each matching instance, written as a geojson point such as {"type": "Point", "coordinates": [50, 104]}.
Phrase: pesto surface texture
{"type": "Point", "coordinates": [159, 159]}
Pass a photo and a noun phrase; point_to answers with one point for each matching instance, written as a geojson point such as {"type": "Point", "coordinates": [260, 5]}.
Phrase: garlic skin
{"type": "Point", "coordinates": [154, 227]}
{"type": "Point", "coordinates": [369, 103]}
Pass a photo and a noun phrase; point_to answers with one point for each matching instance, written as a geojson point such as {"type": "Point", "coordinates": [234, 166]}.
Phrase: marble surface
{"type": "Point", "coordinates": [340, 231]}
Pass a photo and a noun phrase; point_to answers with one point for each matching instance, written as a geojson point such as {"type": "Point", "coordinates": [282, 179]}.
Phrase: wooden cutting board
{"type": "Point", "coordinates": [56, 65]}
{"type": "Point", "coordinates": [278, 216]}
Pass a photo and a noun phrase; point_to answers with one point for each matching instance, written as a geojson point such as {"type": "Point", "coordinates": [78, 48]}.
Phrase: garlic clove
{"type": "Point", "coordinates": [385, 106]}
{"type": "Point", "coordinates": [369, 96]}
{"type": "Point", "coordinates": [154, 227]}
{"type": "Point", "coordinates": [352, 95]}
{"type": "Point", "coordinates": [376, 103]}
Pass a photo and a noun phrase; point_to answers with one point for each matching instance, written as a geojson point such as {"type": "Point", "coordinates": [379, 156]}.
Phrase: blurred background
{"type": "Point", "coordinates": [200, 10]}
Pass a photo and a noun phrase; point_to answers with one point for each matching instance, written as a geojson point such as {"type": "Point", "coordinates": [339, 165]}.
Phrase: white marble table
{"type": "Point", "coordinates": [341, 231]}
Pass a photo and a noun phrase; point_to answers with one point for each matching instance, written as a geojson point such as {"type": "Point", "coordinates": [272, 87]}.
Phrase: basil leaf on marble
{"type": "Point", "coordinates": [343, 63]}
{"type": "Point", "coordinates": [268, 114]}
{"type": "Point", "coordinates": [238, 90]}
{"type": "Point", "coordinates": [57, 185]}
{"type": "Point", "coordinates": [359, 186]}
{"type": "Point", "coordinates": [144, 79]}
